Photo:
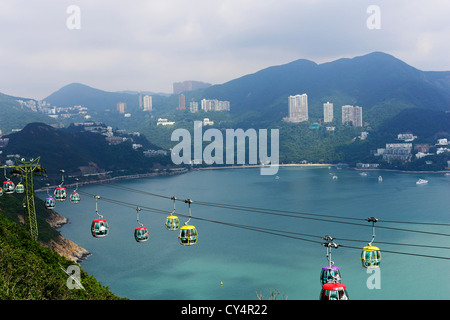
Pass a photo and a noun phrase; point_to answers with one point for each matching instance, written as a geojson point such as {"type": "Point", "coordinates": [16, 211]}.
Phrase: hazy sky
{"type": "Point", "coordinates": [149, 44]}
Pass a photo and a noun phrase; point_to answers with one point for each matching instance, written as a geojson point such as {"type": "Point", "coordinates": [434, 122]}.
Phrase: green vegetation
{"type": "Point", "coordinates": [33, 272]}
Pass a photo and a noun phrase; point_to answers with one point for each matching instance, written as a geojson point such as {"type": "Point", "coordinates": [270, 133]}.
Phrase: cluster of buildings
{"type": "Point", "coordinates": [403, 151]}
{"type": "Point", "coordinates": [298, 112]}
{"type": "Point", "coordinates": [115, 137]}
{"type": "Point", "coordinates": [209, 105]}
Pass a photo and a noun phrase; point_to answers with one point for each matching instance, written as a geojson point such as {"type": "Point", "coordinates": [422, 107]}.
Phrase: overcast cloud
{"type": "Point", "coordinates": [148, 45]}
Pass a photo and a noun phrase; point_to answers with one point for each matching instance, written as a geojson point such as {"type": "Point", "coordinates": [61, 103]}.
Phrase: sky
{"type": "Point", "coordinates": [147, 45]}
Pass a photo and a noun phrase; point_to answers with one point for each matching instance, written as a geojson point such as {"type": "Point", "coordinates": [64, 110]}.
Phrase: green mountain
{"type": "Point", "coordinates": [95, 99]}
{"type": "Point", "coordinates": [16, 116]}
{"type": "Point", "coordinates": [373, 81]}
{"type": "Point", "coordinates": [72, 150]}
{"type": "Point", "coordinates": [30, 271]}
{"type": "Point", "coordinates": [380, 83]}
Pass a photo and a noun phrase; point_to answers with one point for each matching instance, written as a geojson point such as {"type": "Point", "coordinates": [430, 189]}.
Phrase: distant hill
{"type": "Point", "coordinates": [94, 99]}
{"type": "Point", "coordinates": [15, 116]}
{"type": "Point", "coordinates": [376, 80]}
{"type": "Point", "coordinates": [68, 150]}
{"type": "Point", "coordinates": [380, 83]}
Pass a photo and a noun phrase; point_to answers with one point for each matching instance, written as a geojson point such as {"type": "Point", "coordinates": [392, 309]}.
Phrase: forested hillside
{"type": "Point", "coordinates": [31, 271]}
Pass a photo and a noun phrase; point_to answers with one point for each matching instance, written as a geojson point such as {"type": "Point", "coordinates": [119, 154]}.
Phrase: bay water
{"type": "Point", "coordinates": [236, 263]}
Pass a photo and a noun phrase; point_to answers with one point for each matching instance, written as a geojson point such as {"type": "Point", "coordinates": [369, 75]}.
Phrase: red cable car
{"type": "Point", "coordinates": [141, 234]}
{"type": "Point", "coordinates": [99, 228]}
{"type": "Point", "coordinates": [8, 186]}
{"type": "Point", "coordinates": [60, 194]}
{"type": "Point", "coordinates": [75, 197]}
{"type": "Point", "coordinates": [334, 291]}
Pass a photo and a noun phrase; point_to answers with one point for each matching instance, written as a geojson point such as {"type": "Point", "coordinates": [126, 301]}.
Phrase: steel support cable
{"type": "Point", "coordinates": [277, 212]}
{"type": "Point", "coordinates": [281, 233]}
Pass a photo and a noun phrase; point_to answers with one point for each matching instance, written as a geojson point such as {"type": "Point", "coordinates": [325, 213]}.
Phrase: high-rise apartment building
{"type": "Point", "coordinates": [352, 115]}
{"type": "Point", "coordinates": [193, 106]}
{"type": "Point", "coordinates": [181, 102]}
{"type": "Point", "coordinates": [298, 108]}
{"type": "Point", "coordinates": [328, 112]}
{"type": "Point", "coordinates": [148, 103]}
{"type": "Point", "coordinates": [121, 107]}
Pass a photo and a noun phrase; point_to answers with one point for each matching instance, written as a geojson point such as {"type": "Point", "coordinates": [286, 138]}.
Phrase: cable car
{"type": "Point", "coordinates": [8, 186]}
{"type": "Point", "coordinates": [141, 234]}
{"type": "Point", "coordinates": [75, 197]}
{"type": "Point", "coordinates": [60, 194]}
{"type": "Point", "coordinates": [99, 228]}
{"type": "Point", "coordinates": [50, 203]}
{"type": "Point", "coordinates": [371, 257]}
{"type": "Point", "coordinates": [172, 223]}
{"type": "Point", "coordinates": [334, 291]}
{"type": "Point", "coordinates": [330, 274]}
{"type": "Point", "coordinates": [1, 192]}
{"type": "Point", "coordinates": [20, 188]}
{"type": "Point", "coordinates": [188, 235]}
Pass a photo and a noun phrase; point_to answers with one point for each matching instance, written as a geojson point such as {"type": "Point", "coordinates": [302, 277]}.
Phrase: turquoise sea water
{"type": "Point", "coordinates": [246, 261]}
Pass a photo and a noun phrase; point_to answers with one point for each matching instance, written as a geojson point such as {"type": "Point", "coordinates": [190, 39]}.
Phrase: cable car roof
{"type": "Point", "coordinates": [328, 268]}
{"type": "Point", "coordinates": [371, 248]}
{"type": "Point", "coordinates": [334, 286]}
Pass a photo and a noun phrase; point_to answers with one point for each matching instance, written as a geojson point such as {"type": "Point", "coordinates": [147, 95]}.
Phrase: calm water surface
{"type": "Point", "coordinates": [247, 261]}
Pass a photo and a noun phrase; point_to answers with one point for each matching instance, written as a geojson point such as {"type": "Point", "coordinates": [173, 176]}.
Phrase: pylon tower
{"type": "Point", "coordinates": [27, 169]}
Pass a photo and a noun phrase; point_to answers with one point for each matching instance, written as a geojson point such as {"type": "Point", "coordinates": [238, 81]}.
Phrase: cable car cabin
{"type": "Point", "coordinates": [99, 228]}
{"type": "Point", "coordinates": [8, 186]}
{"type": "Point", "coordinates": [334, 291]}
{"type": "Point", "coordinates": [50, 203]}
{"type": "Point", "coordinates": [75, 197]}
{"type": "Point", "coordinates": [1, 192]}
{"type": "Point", "coordinates": [20, 188]}
{"type": "Point", "coordinates": [370, 257]}
{"type": "Point", "coordinates": [60, 194]}
{"type": "Point", "coordinates": [172, 223]}
{"type": "Point", "coordinates": [188, 235]}
{"type": "Point", "coordinates": [329, 274]}
{"type": "Point", "coordinates": [141, 234]}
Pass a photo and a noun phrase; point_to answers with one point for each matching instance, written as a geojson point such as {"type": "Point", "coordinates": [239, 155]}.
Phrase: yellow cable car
{"type": "Point", "coordinates": [371, 255]}
{"type": "Point", "coordinates": [188, 235]}
{"type": "Point", "coordinates": [20, 188]}
{"type": "Point", "coordinates": [172, 221]}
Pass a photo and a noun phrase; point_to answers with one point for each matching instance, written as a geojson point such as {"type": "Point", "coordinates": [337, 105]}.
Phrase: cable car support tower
{"type": "Point", "coordinates": [27, 169]}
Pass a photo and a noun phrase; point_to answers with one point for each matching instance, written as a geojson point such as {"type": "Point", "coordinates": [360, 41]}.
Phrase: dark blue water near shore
{"type": "Point", "coordinates": [247, 261]}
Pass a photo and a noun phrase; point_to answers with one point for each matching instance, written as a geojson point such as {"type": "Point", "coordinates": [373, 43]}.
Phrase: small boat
{"type": "Point", "coordinates": [363, 174]}
{"type": "Point", "coordinates": [421, 181]}
{"type": "Point", "coordinates": [380, 178]}
{"type": "Point", "coordinates": [335, 177]}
